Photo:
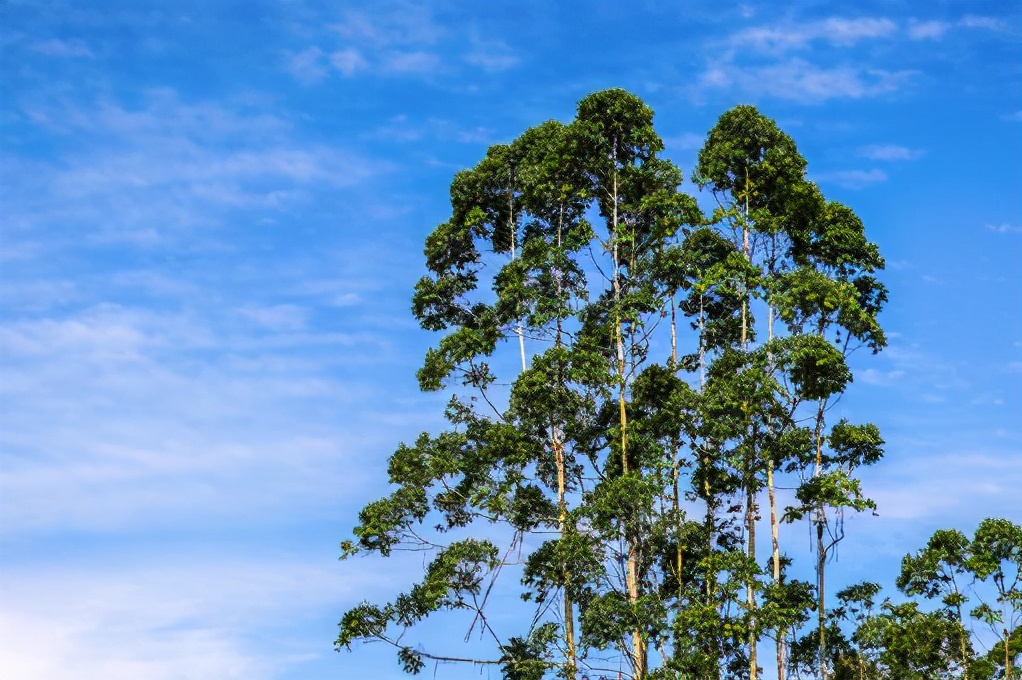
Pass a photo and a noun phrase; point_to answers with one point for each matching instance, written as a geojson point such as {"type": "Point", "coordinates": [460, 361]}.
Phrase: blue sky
{"type": "Point", "coordinates": [211, 218]}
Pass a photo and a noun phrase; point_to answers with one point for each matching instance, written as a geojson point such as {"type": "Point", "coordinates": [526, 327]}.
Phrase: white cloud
{"type": "Point", "coordinates": [37, 295]}
{"type": "Point", "coordinates": [401, 129]}
{"type": "Point", "coordinates": [836, 31]}
{"type": "Point", "coordinates": [801, 81]}
{"type": "Point", "coordinates": [492, 56]}
{"type": "Point", "coordinates": [389, 27]}
{"type": "Point", "coordinates": [278, 317]}
{"type": "Point", "coordinates": [1004, 228]}
{"type": "Point", "coordinates": [348, 61]}
{"type": "Point", "coordinates": [889, 152]}
{"type": "Point", "coordinates": [152, 172]}
{"type": "Point", "coordinates": [872, 376]}
{"type": "Point", "coordinates": [202, 617]}
{"type": "Point", "coordinates": [850, 31]}
{"type": "Point", "coordinates": [119, 418]}
{"type": "Point", "coordinates": [414, 62]}
{"type": "Point", "coordinates": [962, 487]}
{"type": "Point", "coordinates": [686, 141]}
{"type": "Point", "coordinates": [306, 66]}
{"type": "Point", "coordinates": [854, 179]}
{"type": "Point", "coordinates": [1014, 117]}
{"type": "Point", "coordinates": [989, 23]}
{"type": "Point", "coordinates": [397, 40]}
{"type": "Point", "coordinates": [62, 48]}
{"type": "Point", "coordinates": [927, 30]}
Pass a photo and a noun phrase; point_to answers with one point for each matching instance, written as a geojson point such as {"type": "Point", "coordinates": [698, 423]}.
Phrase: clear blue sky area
{"type": "Point", "coordinates": [211, 220]}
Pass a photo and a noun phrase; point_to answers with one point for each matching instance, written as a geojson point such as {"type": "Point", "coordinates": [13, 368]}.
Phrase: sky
{"type": "Point", "coordinates": [211, 221]}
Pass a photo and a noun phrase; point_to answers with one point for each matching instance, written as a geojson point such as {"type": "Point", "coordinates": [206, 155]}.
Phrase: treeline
{"type": "Point", "coordinates": [663, 369]}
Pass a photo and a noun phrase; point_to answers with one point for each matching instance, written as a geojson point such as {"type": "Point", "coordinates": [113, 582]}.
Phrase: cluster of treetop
{"type": "Point", "coordinates": [639, 387]}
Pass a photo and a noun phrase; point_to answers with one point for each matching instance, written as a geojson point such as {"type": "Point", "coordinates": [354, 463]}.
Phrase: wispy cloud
{"type": "Point", "coordinates": [401, 129]}
{"type": "Point", "coordinates": [118, 416]}
{"type": "Point", "coordinates": [395, 42]}
{"type": "Point", "coordinates": [889, 152]}
{"type": "Point", "coordinates": [835, 31]}
{"type": "Point", "coordinates": [396, 26]}
{"type": "Point", "coordinates": [927, 30]}
{"type": "Point", "coordinates": [872, 376]}
{"type": "Point", "coordinates": [278, 317]}
{"type": "Point", "coordinates": [174, 617]}
{"type": "Point", "coordinates": [802, 81]}
{"type": "Point", "coordinates": [306, 66]}
{"type": "Point", "coordinates": [146, 172]}
{"type": "Point", "coordinates": [410, 62]}
{"type": "Point", "coordinates": [975, 21]}
{"type": "Point", "coordinates": [939, 490]}
{"type": "Point", "coordinates": [492, 56]}
{"type": "Point", "coordinates": [400, 41]}
{"type": "Point", "coordinates": [348, 61]}
{"type": "Point", "coordinates": [685, 141]}
{"type": "Point", "coordinates": [62, 48]}
{"type": "Point", "coordinates": [854, 179]}
{"type": "Point", "coordinates": [1004, 228]}
{"type": "Point", "coordinates": [816, 61]}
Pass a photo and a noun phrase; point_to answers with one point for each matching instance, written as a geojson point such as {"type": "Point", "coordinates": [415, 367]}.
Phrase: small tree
{"type": "Point", "coordinates": [983, 572]}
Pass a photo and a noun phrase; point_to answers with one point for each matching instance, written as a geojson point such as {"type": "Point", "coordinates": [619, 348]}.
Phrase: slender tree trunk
{"type": "Point", "coordinates": [562, 505]}
{"type": "Point", "coordinates": [674, 333]}
{"type": "Point", "coordinates": [702, 347]}
{"type": "Point", "coordinates": [511, 225]}
{"type": "Point", "coordinates": [562, 521]}
{"type": "Point", "coordinates": [676, 461]}
{"type": "Point", "coordinates": [708, 521]}
{"type": "Point", "coordinates": [774, 526]}
{"type": "Point", "coordinates": [631, 540]}
{"type": "Point", "coordinates": [750, 493]}
{"type": "Point", "coordinates": [1008, 671]}
{"type": "Point", "coordinates": [821, 563]}
{"type": "Point", "coordinates": [821, 548]}
{"type": "Point", "coordinates": [750, 587]}
{"type": "Point", "coordinates": [776, 560]}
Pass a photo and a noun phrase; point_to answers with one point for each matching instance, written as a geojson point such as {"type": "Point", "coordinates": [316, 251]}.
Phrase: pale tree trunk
{"type": "Point", "coordinates": [774, 526]}
{"type": "Point", "coordinates": [512, 229]}
{"type": "Point", "coordinates": [821, 549]}
{"type": "Point", "coordinates": [562, 505]}
{"type": "Point", "coordinates": [776, 560]}
{"type": "Point", "coordinates": [750, 495]}
{"type": "Point", "coordinates": [676, 463]}
{"type": "Point", "coordinates": [632, 564]}
{"type": "Point", "coordinates": [562, 521]}
{"type": "Point", "coordinates": [708, 520]}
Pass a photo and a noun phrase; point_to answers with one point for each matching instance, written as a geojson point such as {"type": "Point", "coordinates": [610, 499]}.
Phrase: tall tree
{"type": "Point", "coordinates": [811, 266]}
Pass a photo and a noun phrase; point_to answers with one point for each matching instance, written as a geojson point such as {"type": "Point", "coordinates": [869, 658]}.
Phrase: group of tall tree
{"type": "Point", "coordinates": [630, 378]}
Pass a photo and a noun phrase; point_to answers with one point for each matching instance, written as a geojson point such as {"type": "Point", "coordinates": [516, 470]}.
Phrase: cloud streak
{"type": "Point", "coordinates": [175, 618]}
{"type": "Point", "coordinates": [854, 179]}
{"type": "Point", "coordinates": [890, 152]}
{"type": "Point", "coordinates": [168, 165]}
{"type": "Point", "coordinates": [790, 36]}
{"type": "Point", "coordinates": [801, 81]}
